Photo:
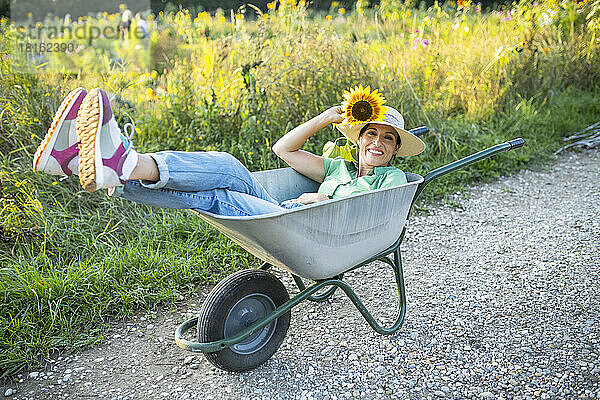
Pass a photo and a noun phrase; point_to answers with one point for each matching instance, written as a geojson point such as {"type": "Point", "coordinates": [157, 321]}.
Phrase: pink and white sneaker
{"type": "Point", "coordinates": [58, 151]}
{"type": "Point", "coordinates": [104, 151]}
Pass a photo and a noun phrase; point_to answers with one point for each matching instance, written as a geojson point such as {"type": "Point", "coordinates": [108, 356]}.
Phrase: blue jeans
{"type": "Point", "coordinates": [211, 181]}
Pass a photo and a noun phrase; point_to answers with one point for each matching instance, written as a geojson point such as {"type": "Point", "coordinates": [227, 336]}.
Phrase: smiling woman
{"type": "Point", "coordinates": [377, 143]}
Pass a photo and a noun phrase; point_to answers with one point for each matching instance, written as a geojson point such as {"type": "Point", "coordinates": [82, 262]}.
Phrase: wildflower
{"type": "Point", "coordinates": [149, 91]}
{"type": "Point", "coordinates": [250, 153]}
{"type": "Point", "coordinates": [519, 48]}
{"type": "Point", "coordinates": [425, 42]}
{"type": "Point", "coordinates": [342, 10]}
{"type": "Point", "coordinates": [363, 105]}
{"type": "Point", "coordinates": [463, 4]}
{"type": "Point", "coordinates": [328, 18]}
{"type": "Point", "coordinates": [200, 137]}
{"type": "Point", "coordinates": [544, 20]}
{"type": "Point", "coordinates": [54, 183]}
{"type": "Point", "coordinates": [32, 136]}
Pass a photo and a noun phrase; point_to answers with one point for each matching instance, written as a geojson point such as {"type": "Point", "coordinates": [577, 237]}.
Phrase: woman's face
{"type": "Point", "coordinates": [377, 144]}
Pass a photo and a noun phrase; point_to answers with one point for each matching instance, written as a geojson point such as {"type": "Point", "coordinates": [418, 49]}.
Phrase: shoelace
{"type": "Point", "coordinates": [129, 128]}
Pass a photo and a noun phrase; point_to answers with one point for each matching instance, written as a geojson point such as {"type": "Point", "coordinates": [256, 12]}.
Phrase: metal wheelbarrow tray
{"type": "Point", "coordinates": [245, 318]}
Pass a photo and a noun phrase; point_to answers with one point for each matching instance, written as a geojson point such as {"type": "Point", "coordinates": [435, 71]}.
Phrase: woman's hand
{"type": "Point", "coordinates": [334, 114]}
{"type": "Point", "coordinates": [310, 198]}
{"type": "Point", "coordinates": [288, 147]}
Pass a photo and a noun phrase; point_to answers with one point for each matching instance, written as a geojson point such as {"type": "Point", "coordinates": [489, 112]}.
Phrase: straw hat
{"type": "Point", "coordinates": [410, 145]}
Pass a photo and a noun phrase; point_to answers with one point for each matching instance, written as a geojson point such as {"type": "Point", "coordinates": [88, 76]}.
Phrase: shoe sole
{"type": "Point", "coordinates": [40, 157]}
{"type": "Point", "coordinates": [89, 120]}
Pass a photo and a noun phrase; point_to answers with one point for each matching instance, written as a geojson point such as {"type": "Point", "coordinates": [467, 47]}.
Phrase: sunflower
{"type": "Point", "coordinates": [362, 105]}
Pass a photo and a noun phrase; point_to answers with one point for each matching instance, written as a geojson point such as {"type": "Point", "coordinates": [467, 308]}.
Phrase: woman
{"type": "Point", "coordinates": [85, 139]}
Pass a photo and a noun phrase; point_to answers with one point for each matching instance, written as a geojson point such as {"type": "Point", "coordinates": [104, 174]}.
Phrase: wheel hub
{"type": "Point", "coordinates": [243, 314]}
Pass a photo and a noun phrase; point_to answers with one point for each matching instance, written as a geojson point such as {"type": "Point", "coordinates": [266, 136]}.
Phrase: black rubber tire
{"type": "Point", "coordinates": [252, 285]}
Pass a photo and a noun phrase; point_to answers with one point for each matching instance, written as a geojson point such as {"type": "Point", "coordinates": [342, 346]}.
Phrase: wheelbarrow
{"type": "Point", "coordinates": [245, 318]}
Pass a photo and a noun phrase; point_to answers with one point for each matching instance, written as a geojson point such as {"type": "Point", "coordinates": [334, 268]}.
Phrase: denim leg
{"type": "Point", "coordinates": [217, 201]}
{"type": "Point", "coordinates": [199, 171]}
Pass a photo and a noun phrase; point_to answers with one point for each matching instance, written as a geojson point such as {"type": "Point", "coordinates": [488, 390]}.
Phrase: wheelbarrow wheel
{"type": "Point", "coordinates": [233, 305]}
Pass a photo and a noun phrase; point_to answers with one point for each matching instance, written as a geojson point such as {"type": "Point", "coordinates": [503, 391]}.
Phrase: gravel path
{"type": "Point", "coordinates": [503, 302]}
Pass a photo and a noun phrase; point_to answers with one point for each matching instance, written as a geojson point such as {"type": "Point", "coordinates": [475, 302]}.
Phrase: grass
{"type": "Point", "coordinates": [69, 260]}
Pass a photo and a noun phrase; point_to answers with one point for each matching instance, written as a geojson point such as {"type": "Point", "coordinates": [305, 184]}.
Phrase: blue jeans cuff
{"type": "Point", "coordinates": [163, 173]}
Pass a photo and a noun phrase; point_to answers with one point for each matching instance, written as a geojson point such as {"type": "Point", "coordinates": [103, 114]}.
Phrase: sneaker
{"type": "Point", "coordinates": [57, 153]}
{"type": "Point", "coordinates": [103, 149]}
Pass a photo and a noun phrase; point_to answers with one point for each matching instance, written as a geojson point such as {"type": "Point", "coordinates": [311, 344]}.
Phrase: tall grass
{"type": "Point", "coordinates": [69, 260]}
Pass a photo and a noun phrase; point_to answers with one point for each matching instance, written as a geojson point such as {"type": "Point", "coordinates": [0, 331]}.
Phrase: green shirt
{"type": "Point", "coordinates": [341, 178]}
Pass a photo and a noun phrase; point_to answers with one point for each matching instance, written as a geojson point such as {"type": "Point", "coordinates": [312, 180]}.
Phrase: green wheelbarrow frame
{"type": "Point", "coordinates": [332, 284]}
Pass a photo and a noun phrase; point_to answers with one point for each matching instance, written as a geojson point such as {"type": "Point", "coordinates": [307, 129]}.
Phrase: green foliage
{"type": "Point", "coordinates": [335, 149]}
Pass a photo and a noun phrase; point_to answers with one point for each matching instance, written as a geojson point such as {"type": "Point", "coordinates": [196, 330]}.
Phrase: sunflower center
{"type": "Point", "coordinates": [362, 110]}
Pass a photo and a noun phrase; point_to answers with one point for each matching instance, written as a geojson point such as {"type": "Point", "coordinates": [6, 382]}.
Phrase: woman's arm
{"type": "Point", "coordinates": [288, 147]}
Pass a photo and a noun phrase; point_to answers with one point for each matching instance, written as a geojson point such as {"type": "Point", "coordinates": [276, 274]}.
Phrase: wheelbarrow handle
{"type": "Point", "coordinates": [516, 143]}
{"type": "Point", "coordinates": [473, 158]}
{"type": "Point", "coordinates": [419, 131]}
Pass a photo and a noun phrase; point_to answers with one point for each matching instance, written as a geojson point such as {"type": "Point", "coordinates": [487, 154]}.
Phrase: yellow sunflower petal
{"type": "Point", "coordinates": [363, 105]}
